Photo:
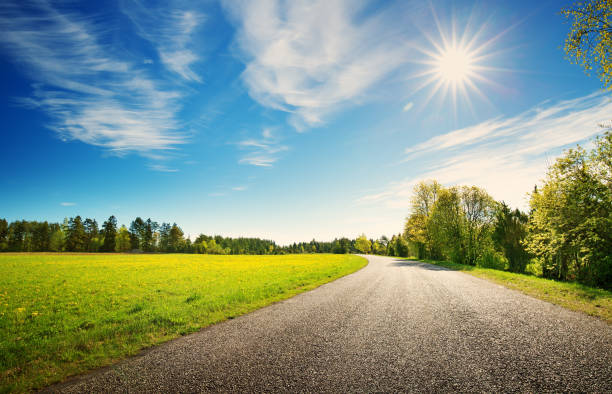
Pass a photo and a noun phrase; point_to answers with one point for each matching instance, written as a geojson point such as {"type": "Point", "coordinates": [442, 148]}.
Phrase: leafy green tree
{"type": "Point", "coordinates": [425, 195]}
{"type": "Point", "coordinates": [509, 232]}
{"type": "Point", "coordinates": [341, 246]}
{"type": "Point", "coordinates": [362, 244]}
{"type": "Point", "coordinates": [378, 248]}
{"type": "Point", "coordinates": [589, 41]}
{"type": "Point", "coordinates": [479, 211]}
{"type": "Point", "coordinates": [57, 239]}
{"type": "Point", "coordinates": [401, 247]}
{"type": "Point", "coordinates": [122, 241]}
{"type": "Point", "coordinates": [569, 229]}
{"type": "Point", "coordinates": [176, 239]}
{"type": "Point", "coordinates": [447, 225]}
{"type": "Point", "coordinates": [109, 231]}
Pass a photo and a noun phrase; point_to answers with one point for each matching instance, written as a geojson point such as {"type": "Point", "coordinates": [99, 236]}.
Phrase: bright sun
{"type": "Point", "coordinates": [454, 65]}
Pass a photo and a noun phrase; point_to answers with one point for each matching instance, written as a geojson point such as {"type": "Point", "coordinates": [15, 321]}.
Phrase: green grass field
{"type": "Point", "coordinates": [63, 314]}
{"type": "Point", "coordinates": [592, 301]}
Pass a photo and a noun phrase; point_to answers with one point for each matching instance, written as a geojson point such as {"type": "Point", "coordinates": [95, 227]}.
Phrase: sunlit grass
{"type": "Point", "coordinates": [575, 296]}
{"type": "Point", "coordinates": [64, 314]}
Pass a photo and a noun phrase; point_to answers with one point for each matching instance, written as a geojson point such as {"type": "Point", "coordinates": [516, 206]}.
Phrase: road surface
{"type": "Point", "coordinates": [393, 326]}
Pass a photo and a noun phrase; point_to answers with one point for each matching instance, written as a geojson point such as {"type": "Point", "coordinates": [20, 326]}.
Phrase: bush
{"type": "Point", "coordinates": [534, 267]}
{"type": "Point", "coordinates": [492, 259]}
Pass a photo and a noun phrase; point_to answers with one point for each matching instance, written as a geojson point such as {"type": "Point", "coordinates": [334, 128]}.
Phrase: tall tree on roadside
{"type": "Point", "coordinates": [425, 195]}
{"type": "Point", "coordinates": [569, 229]}
{"type": "Point", "coordinates": [509, 232]}
{"type": "Point", "coordinates": [589, 41]}
{"type": "Point", "coordinates": [479, 211]}
{"type": "Point", "coordinates": [447, 225]}
{"type": "Point", "coordinates": [109, 231]}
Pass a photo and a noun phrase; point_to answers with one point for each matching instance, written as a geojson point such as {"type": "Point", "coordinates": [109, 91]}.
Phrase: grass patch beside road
{"type": "Point", "coordinates": [64, 314]}
{"type": "Point", "coordinates": [592, 301]}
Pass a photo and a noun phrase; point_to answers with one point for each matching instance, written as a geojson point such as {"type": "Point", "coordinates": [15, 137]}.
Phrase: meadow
{"type": "Point", "coordinates": [64, 314]}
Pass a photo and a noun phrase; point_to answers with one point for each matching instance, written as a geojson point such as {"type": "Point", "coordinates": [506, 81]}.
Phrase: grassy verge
{"type": "Point", "coordinates": [62, 315]}
{"type": "Point", "coordinates": [592, 301]}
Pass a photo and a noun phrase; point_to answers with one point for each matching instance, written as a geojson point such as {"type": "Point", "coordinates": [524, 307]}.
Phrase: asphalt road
{"type": "Point", "coordinates": [394, 326]}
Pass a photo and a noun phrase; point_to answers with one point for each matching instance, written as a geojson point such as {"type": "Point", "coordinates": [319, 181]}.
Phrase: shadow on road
{"type": "Point", "coordinates": [412, 263]}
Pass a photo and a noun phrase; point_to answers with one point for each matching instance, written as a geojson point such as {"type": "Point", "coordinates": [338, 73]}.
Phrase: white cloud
{"type": "Point", "coordinates": [263, 152]}
{"type": "Point", "coordinates": [408, 106]}
{"type": "Point", "coordinates": [161, 168]}
{"type": "Point", "coordinates": [170, 29]}
{"type": "Point", "coordinates": [239, 188]}
{"type": "Point", "coordinates": [506, 156]}
{"type": "Point", "coordinates": [311, 57]}
{"type": "Point", "coordinates": [67, 204]}
{"type": "Point", "coordinates": [91, 94]}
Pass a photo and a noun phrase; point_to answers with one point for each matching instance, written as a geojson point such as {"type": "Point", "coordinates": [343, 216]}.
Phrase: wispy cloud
{"type": "Point", "coordinates": [506, 156]}
{"type": "Point", "coordinates": [162, 168]}
{"type": "Point", "coordinates": [263, 152]}
{"type": "Point", "coordinates": [239, 188]}
{"type": "Point", "coordinates": [408, 106]}
{"type": "Point", "coordinates": [67, 204]}
{"type": "Point", "coordinates": [170, 29]}
{"type": "Point", "coordinates": [91, 94]}
{"type": "Point", "coordinates": [310, 58]}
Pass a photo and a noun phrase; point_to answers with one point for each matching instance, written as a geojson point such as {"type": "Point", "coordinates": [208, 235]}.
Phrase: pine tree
{"type": "Point", "coordinates": [109, 229]}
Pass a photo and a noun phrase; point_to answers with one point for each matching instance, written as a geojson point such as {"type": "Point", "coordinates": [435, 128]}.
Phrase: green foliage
{"type": "Point", "coordinates": [424, 198]}
{"type": "Point", "coordinates": [509, 232]}
{"type": "Point", "coordinates": [122, 240]}
{"type": "Point", "coordinates": [4, 233]}
{"type": "Point", "coordinates": [401, 247]}
{"type": "Point", "coordinates": [363, 244]}
{"type": "Point", "coordinates": [589, 41]}
{"type": "Point", "coordinates": [569, 228]}
{"type": "Point", "coordinates": [492, 259]}
{"type": "Point", "coordinates": [461, 223]}
{"type": "Point", "coordinates": [109, 229]}
{"type": "Point", "coordinates": [62, 315]}
{"type": "Point", "coordinates": [57, 240]}
{"type": "Point", "coordinates": [76, 238]}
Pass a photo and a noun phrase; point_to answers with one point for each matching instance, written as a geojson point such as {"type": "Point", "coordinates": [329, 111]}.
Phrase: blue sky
{"type": "Point", "coordinates": [287, 120]}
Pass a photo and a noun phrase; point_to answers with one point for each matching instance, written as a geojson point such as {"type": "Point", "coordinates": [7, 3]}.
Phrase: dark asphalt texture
{"type": "Point", "coordinates": [394, 326]}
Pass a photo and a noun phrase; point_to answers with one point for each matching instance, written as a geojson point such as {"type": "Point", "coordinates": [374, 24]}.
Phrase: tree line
{"type": "Point", "coordinates": [566, 235]}
{"type": "Point", "coordinates": [76, 234]}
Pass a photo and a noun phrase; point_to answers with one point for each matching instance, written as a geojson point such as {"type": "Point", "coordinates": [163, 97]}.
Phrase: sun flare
{"type": "Point", "coordinates": [454, 65]}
